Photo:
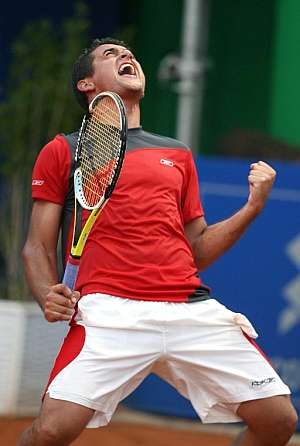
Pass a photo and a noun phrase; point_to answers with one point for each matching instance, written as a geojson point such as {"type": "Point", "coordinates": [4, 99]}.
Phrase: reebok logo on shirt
{"type": "Point", "coordinates": [166, 162]}
{"type": "Point", "coordinates": [37, 182]}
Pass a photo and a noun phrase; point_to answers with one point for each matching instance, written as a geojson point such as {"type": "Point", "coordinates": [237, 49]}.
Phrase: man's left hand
{"type": "Point", "coordinates": [261, 178]}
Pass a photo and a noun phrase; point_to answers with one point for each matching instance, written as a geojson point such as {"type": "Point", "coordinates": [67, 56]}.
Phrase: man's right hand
{"type": "Point", "coordinates": [60, 302]}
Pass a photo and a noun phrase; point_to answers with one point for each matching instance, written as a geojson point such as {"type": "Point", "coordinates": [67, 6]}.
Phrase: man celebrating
{"type": "Point", "coordinates": [139, 304]}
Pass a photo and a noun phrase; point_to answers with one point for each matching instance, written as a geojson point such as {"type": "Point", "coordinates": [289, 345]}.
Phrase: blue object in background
{"type": "Point", "coordinates": [259, 276]}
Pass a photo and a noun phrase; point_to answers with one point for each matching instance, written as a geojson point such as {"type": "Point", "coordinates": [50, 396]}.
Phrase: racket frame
{"type": "Point", "coordinates": [80, 235]}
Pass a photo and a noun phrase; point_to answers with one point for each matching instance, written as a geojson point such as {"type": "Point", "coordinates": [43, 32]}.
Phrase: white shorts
{"type": "Point", "coordinates": [203, 349]}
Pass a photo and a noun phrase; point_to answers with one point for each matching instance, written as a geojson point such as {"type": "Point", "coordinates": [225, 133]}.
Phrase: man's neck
{"type": "Point", "coordinates": [133, 114]}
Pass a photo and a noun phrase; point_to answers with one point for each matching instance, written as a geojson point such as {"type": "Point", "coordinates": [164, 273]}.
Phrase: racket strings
{"type": "Point", "coordinates": [100, 150]}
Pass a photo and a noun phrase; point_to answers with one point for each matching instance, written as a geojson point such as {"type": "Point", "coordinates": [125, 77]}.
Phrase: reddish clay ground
{"type": "Point", "coordinates": [120, 433]}
{"type": "Point", "coordinates": [128, 434]}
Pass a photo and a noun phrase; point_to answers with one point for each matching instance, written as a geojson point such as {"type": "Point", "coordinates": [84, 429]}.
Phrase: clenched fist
{"type": "Point", "coordinates": [261, 178]}
{"type": "Point", "coordinates": [60, 303]}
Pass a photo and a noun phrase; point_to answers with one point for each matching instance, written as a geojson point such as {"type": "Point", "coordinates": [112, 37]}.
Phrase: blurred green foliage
{"type": "Point", "coordinates": [38, 104]}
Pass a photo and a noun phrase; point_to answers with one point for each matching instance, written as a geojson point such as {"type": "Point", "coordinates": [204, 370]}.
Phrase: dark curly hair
{"type": "Point", "coordinates": [83, 66]}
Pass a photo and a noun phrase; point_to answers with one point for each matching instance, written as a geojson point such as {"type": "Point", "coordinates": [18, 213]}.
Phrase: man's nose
{"type": "Point", "coordinates": [126, 54]}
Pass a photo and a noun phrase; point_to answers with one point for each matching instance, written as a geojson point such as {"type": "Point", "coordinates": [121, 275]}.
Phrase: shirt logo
{"type": "Point", "coordinates": [37, 182]}
{"type": "Point", "coordinates": [166, 162]}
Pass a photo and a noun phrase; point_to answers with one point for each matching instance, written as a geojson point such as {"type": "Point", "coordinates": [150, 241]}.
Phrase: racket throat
{"type": "Point", "coordinates": [78, 245]}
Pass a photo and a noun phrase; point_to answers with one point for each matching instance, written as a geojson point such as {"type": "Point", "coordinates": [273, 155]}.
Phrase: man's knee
{"type": "Point", "coordinates": [289, 420]}
{"type": "Point", "coordinates": [47, 434]}
{"type": "Point", "coordinates": [275, 415]}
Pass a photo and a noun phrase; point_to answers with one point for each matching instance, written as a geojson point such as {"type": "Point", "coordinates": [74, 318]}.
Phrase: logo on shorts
{"type": "Point", "coordinates": [262, 382]}
{"type": "Point", "coordinates": [37, 182]}
{"type": "Point", "coordinates": [166, 162]}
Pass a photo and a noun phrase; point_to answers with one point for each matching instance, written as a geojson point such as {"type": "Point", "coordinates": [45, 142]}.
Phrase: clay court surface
{"type": "Point", "coordinates": [130, 428]}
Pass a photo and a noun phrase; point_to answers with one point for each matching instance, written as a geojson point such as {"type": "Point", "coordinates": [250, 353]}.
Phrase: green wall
{"type": "Point", "coordinates": [253, 84]}
{"type": "Point", "coordinates": [157, 35]}
{"type": "Point", "coordinates": [285, 106]}
{"type": "Point", "coordinates": [238, 85]}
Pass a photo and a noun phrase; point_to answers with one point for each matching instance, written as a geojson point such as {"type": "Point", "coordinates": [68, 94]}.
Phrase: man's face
{"type": "Point", "coordinates": [116, 69]}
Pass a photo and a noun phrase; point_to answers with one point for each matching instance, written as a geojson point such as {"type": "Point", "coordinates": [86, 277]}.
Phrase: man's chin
{"type": "Point", "coordinates": [132, 90]}
{"type": "Point", "coordinates": [132, 83]}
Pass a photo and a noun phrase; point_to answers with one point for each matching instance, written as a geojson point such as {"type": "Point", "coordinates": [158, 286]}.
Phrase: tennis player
{"type": "Point", "coordinates": [139, 304]}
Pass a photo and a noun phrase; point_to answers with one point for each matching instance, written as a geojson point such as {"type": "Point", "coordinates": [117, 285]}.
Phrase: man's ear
{"type": "Point", "coordinates": [85, 85]}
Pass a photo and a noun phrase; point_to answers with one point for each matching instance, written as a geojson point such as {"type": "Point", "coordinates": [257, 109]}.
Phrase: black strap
{"type": "Point", "coordinates": [68, 208]}
{"type": "Point", "coordinates": [201, 293]}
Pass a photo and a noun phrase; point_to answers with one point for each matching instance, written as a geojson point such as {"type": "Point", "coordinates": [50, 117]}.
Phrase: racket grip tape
{"type": "Point", "coordinates": [70, 275]}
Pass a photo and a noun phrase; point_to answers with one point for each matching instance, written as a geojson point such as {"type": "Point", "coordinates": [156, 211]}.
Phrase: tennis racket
{"type": "Point", "coordinates": [98, 160]}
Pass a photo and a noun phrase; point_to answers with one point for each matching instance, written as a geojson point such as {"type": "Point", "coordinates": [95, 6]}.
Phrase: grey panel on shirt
{"type": "Point", "coordinates": [138, 138]}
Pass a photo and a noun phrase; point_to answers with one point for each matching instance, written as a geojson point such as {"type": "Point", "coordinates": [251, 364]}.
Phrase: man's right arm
{"type": "Point", "coordinates": [40, 262]}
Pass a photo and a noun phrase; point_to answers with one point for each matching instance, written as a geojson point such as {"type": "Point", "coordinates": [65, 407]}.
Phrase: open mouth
{"type": "Point", "coordinates": [127, 69]}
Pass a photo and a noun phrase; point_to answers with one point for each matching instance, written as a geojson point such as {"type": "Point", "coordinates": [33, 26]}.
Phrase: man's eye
{"type": "Point", "coordinates": [108, 52]}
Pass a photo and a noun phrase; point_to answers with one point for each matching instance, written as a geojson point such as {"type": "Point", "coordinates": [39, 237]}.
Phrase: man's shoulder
{"type": "Point", "coordinates": [71, 139]}
{"type": "Point", "coordinates": [170, 142]}
{"type": "Point", "coordinates": [147, 139]}
{"type": "Point", "coordinates": [57, 149]}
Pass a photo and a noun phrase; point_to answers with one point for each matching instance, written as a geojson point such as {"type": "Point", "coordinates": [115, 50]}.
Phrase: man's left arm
{"type": "Point", "coordinates": [210, 242]}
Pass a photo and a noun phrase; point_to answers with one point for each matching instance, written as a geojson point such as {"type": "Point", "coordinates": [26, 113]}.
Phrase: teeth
{"type": "Point", "coordinates": [127, 68]}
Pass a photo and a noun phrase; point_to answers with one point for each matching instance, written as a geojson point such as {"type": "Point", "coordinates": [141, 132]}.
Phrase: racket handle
{"type": "Point", "coordinates": [70, 275]}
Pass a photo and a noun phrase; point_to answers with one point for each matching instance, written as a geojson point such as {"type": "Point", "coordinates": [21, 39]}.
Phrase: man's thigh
{"type": "Point", "coordinates": [267, 411]}
{"type": "Point", "coordinates": [63, 418]}
{"type": "Point", "coordinates": [213, 361]}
